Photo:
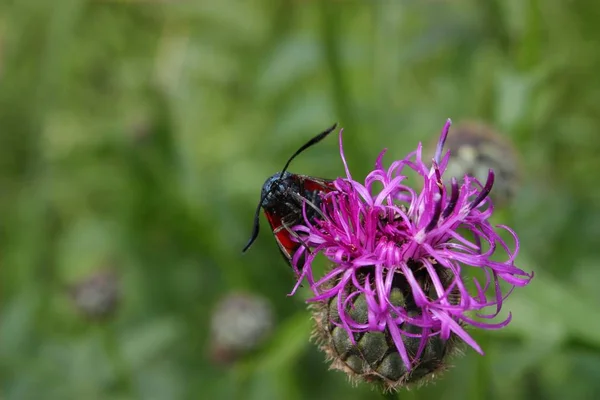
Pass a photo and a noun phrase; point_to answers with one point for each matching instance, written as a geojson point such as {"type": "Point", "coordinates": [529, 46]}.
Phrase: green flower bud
{"type": "Point", "coordinates": [372, 356]}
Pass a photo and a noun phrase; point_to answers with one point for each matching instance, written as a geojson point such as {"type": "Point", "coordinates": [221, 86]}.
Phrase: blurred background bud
{"type": "Point", "coordinates": [475, 147]}
{"type": "Point", "coordinates": [240, 323]}
{"type": "Point", "coordinates": [97, 295]}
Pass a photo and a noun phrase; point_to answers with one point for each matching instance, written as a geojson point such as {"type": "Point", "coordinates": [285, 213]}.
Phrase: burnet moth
{"type": "Point", "coordinates": [283, 197]}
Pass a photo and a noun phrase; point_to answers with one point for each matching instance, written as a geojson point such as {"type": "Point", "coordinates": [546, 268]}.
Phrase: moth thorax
{"type": "Point", "coordinates": [276, 187]}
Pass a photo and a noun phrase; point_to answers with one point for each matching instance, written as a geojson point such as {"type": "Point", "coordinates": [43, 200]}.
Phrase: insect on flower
{"type": "Point", "coordinates": [282, 198]}
{"type": "Point", "coordinates": [396, 300]}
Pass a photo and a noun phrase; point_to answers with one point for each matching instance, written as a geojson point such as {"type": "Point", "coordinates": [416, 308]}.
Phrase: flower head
{"type": "Point", "coordinates": [399, 262]}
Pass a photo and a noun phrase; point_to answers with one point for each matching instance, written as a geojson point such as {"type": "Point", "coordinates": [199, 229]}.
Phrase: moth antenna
{"type": "Point", "coordinates": [255, 226]}
{"type": "Point", "coordinates": [308, 144]}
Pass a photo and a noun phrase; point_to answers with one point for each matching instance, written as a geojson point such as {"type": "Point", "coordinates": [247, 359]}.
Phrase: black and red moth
{"type": "Point", "coordinates": [282, 199]}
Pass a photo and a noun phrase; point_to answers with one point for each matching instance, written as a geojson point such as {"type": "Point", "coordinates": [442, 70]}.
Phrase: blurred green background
{"type": "Point", "coordinates": [136, 136]}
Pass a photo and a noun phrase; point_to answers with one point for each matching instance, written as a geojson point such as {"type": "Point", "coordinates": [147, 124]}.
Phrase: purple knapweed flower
{"type": "Point", "coordinates": [400, 260]}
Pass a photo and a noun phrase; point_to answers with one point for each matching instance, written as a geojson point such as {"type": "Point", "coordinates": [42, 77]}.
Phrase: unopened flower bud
{"type": "Point", "coordinates": [97, 295]}
{"type": "Point", "coordinates": [240, 323]}
{"type": "Point", "coordinates": [475, 148]}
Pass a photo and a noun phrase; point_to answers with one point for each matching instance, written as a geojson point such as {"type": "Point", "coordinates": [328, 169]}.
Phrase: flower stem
{"type": "Point", "coordinates": [480, 386]}
{"type": "Point", "coordinates": [390, 395]}
{"type": "Point", "coordinates": [331, 50]}
{"type": "Point", "coordinates": [124, 380]}
{"type": "Point", "coordinates": [400, 395]}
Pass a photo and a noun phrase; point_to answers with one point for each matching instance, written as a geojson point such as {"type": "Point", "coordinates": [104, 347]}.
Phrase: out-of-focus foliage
{"type": "Point", "coordinates": [136, 135]}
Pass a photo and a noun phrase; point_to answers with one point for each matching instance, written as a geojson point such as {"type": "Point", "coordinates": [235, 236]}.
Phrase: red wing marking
{"type": "Point", "coordinates": [284, 240]}
{"type": "Point", "coordinates": [274, 221]}
{"type": "Point", "coordinates": [282, 236]}
{"type": "Point", "coordinates": [317, 184]}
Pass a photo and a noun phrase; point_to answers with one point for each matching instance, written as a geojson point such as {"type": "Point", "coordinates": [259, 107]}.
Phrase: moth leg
{"type": "Point", "coordinates": [302, 258]}
{"type": "Point", "coordinates": [302, 200]}
{"type": "Point", "coordinates": [285, 226]}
